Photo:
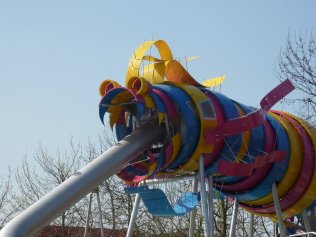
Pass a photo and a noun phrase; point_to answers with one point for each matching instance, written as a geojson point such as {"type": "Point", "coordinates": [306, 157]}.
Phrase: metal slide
{"type": "Point", "coordinates": [84, 181]}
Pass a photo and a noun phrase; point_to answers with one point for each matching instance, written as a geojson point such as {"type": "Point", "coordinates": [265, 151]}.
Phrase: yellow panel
{"type": "Point", "coordinates": [149, 101]}
{"type": "Point", "coordinates": [214, 81]}
{"type": "Point", "coordinates": [139, 85]}
{"type": "Point", "coordinates": [310, 193]}
{"type": "Point", "coordinates": [115, 116]}
{"type": "Point", "coordinates": [154, 73]}
{"type": "Point", "coordinates": [191, 58]}
{"type": "Point", "coordinates": [244, 144]}
{"type": "Point", "coordinates": [176, 145]}
{"type": "Point", "coordinates": [161, 116]}
{"type": "Point", "coordinates": [295, 164]}
{"type": "Point", "coordinates": [137, 57]}
{"type": "Point", "coordinates": [245, 139]}
{"type": "Point", "coordinates": [104, 85]}
{"type": "Point", "coordinates": [197, 96]}
{"type": "Point", "coordinates": [150, 58]}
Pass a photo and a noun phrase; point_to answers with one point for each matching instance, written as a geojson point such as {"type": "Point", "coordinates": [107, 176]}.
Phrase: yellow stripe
{"type": "Point", "coordinates": [134, 64]}
{"type": "Point", "coordinates": [310, 194]}
{"type": "Point", "coordinates": [295, 164]}
{"type": "Point", "coordinates": [245, 139]}
{"type": "Point", "coordinates": [197, 96]}
{"type": "Point", "coordinates": [176, 145]}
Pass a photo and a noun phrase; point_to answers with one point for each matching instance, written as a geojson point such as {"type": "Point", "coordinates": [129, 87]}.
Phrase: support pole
{"type": "Point", "coordinates": [88, 217]}
{"type": "Point", "coordinates": [211, 203]}
{"type": "Point", "coordinates": [207, 231]}
{"type": "Point", "coordinates": [132, 221]}
{"type": "Point", "coordinates": [278, 210]}
{"type": "Point", "coordinates": [306, 221]}
{"type": "Point", "coordinates": [100, 213]}
{"type": "Point", "coordinates": [251, 222]}
{"type": "Point", "coordinates": [193, 213]}
{"type": "Point", "coordinates": [234, 219]}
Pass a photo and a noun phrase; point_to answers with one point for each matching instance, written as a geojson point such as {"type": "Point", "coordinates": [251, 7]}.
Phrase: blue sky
{"type": "Point", "coordinates": [54, 54]}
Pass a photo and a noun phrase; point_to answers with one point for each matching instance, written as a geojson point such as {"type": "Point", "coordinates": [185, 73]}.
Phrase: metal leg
{"type": "Point", "coordinates": [306, 221]}
{"type": "Point", "coordinates": [134, 215]}
{"type": "Point", "coordinates": [88, 217]}
{"type": "Point", "coordinates": [210, 204]}
{"type": "Point", "coordinates": [207, 231]}
{"type": "Point", "coordinates": [251, 222]}
{"type": "Point", "coordinates": [193, 213]}
{"type": "Point", "coordinates": [278, 210]}
{"type": "Point", "coordinates": [234, 219]}
{"type": "Point", "coordinates": [100, 213]}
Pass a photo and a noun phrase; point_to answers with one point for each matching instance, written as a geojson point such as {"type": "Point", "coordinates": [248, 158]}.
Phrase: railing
{"type": "Point", "coordinates": [307, 234]}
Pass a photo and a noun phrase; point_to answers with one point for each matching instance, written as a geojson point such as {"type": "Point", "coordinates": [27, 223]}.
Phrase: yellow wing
{"type": "Point", "coordinates": [213, 81]}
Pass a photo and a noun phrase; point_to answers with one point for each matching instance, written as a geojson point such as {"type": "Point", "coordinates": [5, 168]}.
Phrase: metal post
{"type": "Point", "coordinates": [100, 213]}
{"type": "Point", "coordinates": [278, 210]}
{"type": "Point", "coordinates": [207, 231]}
{"type": "Point", "coordinates": [88, 217]}
{"type": "Point", "coordinates": [132, 221]}
{"type": "Point", "coordinates": [251, 222]}
{"type": "Point", "coordinates": [193, 213]}
{"type": "Point", "coordinates": [234, 219]}
{"type": "Point", "coordinates": [306, 221]}
{"type": "Point", "coordinates": [211, 203]}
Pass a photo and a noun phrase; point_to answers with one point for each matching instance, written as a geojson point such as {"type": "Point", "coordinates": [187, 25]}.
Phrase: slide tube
{"type": "Point", "coordinates": [82, 182]}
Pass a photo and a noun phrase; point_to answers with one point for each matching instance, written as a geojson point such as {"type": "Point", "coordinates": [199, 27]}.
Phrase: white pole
{"type": "Point", "coordinates": [234, 219]}
{"type": "Point", "coordinates": [193, 213]}
{"type": "Point", "coordinates": [132, 221]}
{"type": "Point", "coordinates": [100, 213]}
{"type": "Point", "coordinates": [251, 222]}
{"type": "Point", "coordinates": [306, 221]}
{"type": "Point", "coordinates": [88, 216]}
{"type": "Point", "coordinates": [278, 210]}
{"type": "Point", "coordinates": [211, 203]}
{"type": "Point", "coordinates": [207, 231]}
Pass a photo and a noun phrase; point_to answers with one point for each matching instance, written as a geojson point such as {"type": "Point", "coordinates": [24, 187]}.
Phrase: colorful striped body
{"type": "Point", "coordinates": [244, 148]}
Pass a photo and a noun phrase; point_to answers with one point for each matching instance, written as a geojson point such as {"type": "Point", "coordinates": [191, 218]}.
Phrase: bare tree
{"type": "Point", "coordinates": [6, 209]}
{"type": "Point", "coordinates": [33, 182]}
{"type": "Point", "coordinates": [297, 62]}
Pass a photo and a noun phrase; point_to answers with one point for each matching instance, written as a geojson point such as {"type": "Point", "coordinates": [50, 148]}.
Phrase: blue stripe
{"type": "Point", "coordinates": [190, 123]}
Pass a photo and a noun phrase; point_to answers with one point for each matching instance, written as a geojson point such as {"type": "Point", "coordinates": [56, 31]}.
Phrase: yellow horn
{"type": "Point", "coordinates": [106, 86]}
{"type": "Point", "coordinates": [138, 84]}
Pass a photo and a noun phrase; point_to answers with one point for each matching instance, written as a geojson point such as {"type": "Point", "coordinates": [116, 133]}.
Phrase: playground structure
{"type": "Point", "coordinates": [169, 126]}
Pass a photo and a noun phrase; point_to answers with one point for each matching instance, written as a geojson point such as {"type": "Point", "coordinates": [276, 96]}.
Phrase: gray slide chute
{"type": "Point", "coordinates": [53, 204]}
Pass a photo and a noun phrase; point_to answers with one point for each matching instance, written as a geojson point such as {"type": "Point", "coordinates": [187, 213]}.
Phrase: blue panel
{"type": "Point", "coordinates": [255, 147]}
{"type": "Point", "coordinates": [107, 100]}
{"type": "Point", "coordinates": [233, 143]}
{"type": "Point", "coordinates": [191, 127]}
{"type": "Point", "coordinates": [158, 204]}
{"type": "Point", "coordinates": [159, 103]}
{"type": "Point", "coordinates": [277, 171]}
{"type": "Point", "coordinates": [137, 189]}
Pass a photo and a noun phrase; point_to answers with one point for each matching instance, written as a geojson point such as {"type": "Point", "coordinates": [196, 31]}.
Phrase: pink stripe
{"type": "Point", "coordinates": [299, 188]}
{"type": "Point", "coordinates": [276, 95]}
{"type": "Point", "coordinates": [258, 174]}
{"type": "Point", "coordinates": [220, 117]}
{"type": "Point", "coordinates": [172, 111]}
{"type": "Point", "coordinates": [234, 169]}
{"type": "Point", "coordinates": [168, 155]}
